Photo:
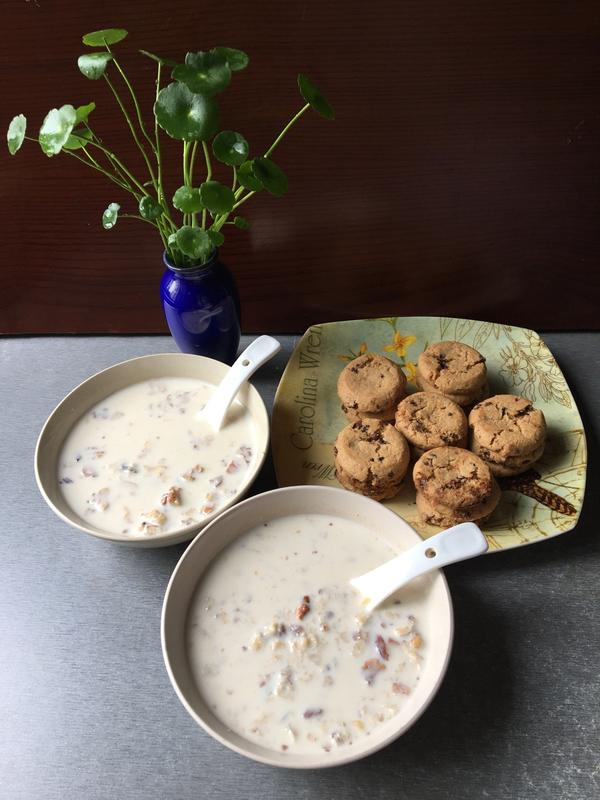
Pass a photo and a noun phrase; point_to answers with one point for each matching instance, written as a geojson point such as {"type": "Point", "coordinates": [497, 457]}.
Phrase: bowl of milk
{"type": "Point", "coordinates": [271, 650]}
{"type": "Point", "coordinates": [125, 458]}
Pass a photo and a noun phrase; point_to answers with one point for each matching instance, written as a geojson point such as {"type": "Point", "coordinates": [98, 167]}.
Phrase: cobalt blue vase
{"type": "Point", "coordinates": [202, 308]}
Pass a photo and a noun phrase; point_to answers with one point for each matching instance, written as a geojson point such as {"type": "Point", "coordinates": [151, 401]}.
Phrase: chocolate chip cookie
{"type": "Point", "coordinates": [508, 433]}
{"type": "Point", "coordinates": [371, 458]}
{"type": "Point", "coordinates": [431, 420]}
{"type": "Point", "coordinates": [454, 370]}
{"type": "Point", "coordinates": [454, 485]}
{"type": "Point", "coordinates": [371, 386]}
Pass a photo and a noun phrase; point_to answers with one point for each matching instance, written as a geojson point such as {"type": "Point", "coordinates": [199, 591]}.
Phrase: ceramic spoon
{"type": "Point", "coordinates": [254, 356]}
{"type": "Point", "coordinates": [454, 544]}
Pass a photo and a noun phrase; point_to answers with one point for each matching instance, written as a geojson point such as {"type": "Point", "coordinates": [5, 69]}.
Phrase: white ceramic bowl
{"type": "Point", "coordinates": [99, 386]}
{"type": "Point", "coordinates": [254, 511]}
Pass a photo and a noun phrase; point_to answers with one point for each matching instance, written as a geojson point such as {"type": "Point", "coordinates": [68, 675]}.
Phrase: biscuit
{"type": "Point", "coordinates": [431, 420]}
{"type": "Point", "coordinates": [434, 514]}
{"type": "Point", "coordinates": [371, 457]}
{"type": "Point", "coordinates": [371, 385]}
{"type": "Point", "coordinates": [387, 414]}
{"type": "Point", "coordinates": [454, 370]}
{"type": "Point", "coordinates": [453, 478]}
{"type": "Point", "coordinates": [508, 433]}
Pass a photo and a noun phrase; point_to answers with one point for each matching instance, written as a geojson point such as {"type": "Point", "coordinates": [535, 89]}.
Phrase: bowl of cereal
{"type": "Point", "coordinates": [270, 649]}
{"type": "Point", "coordinates": [124, 456]}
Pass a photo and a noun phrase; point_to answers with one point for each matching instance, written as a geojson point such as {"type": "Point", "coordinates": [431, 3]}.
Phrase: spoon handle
{"type": "Point", "coordinates": [254, 356]}
{"type": "Point", "coordinates": [454, 544]}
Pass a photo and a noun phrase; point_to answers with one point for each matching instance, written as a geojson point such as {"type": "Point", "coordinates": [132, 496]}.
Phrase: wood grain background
{"type": "Point", "coordinates": [461, 176]}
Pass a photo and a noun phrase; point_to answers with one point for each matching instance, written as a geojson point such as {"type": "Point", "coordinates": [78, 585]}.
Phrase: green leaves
{"type": "Point", "coordinates": [78, 139]}
{"type": "Point", "coordinates": [230, 148]}
{"type": "Point", "coordinates": [216, 237]}
{"type": "Point", "coordinates": [93, 65]}
{"type": "Point", "coordinates": [247, 178]}
{"type": "Point", "coordinates": [217, 198]}
{"type": "Point", "coordinates": [270, 175]}
{"type": "Point", "coordinates": [205, 73]}
{"type": "Point", "coordinates": [16, 133]}
{"type": "Point", "coordinates": [109, 218]}
{"type": "Point", "coordinates": [241, 223]}
{"type": "Point", "coordinates": [184, 115]}
{"type": "Point", "coordinates": [56, 129]}
{"type": "Point", "coordinates": [314, 97]}
{"type": "Point", "coordinates": [150, 208]}
{"type": "Point", "coordinates": [236, 59]}
{"type": "Point", "coordinates": [188, 200]}
{"type": "Point", "coordinates": [194, 242]}
{"type": "Point", "coordinates": [104, 37]}
{"type": "Point", "coordinates": [83, 112]}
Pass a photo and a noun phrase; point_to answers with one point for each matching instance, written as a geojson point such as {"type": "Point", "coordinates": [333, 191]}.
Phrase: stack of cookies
{"type": "Point", "coordinates": [454, 485]}
{"type": "Point", "coordinates": [370, 387]}
{"type": "Point", "coordinates": [455, 370]}
{"type": "Point", "coordinates": [508, 433]}
{"type": "Point", "coordinates": [371, 457]}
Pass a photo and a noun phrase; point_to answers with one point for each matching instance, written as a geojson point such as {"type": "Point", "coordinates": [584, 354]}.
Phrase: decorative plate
{"type": "Point", "coordinates": [543, 502]}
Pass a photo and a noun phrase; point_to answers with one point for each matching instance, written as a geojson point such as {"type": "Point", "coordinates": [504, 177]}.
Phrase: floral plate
{"type": "Point", "coordinates": [544, 502]}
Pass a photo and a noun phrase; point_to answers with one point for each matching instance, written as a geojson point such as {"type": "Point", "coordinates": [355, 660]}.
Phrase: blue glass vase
{"type": "Point", "coordinates": [202, 308]}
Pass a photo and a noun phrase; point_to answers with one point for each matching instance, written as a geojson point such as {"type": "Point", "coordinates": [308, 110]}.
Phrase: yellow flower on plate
{"type": "Point", "coordinates": [400, 344]}
{"type": "Point", "coordinates": [410, 370]}
{"type": "Point", "coordinates": [361, 351]}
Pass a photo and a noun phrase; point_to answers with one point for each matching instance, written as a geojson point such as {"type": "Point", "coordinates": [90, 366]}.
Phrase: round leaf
{"type": "Point", "coordinates": [109, 218]}
{"type": "Point", "coordinates": [236, 59]}
{"type": "Point", "coordinates": [93, 65]}
{"type": "Point", "coordinates": [206, 73]}
{"type": "Point", "coordinates": [230, 148]}
{"type": "Point", "coordinates": [16, 133]}
{"type": "Point", "coordinates": [150, 208]}
{"type": "Point", "coordinates": [184, 115]}
{"type": "Point", "coordinates": [273, 179]}
{"type": "Point", "coordinates": [83, 112]}
{"type": "Point", "coordinates": [247, 178]}
{"type": "Point", "coordinates": [103, 37]}
{"type": "Point", "coordinates": [219, 199]}
{"type": "Point", "coordinates": [241, 222]}
{"type": "Point", "coordinates": [194, 242]}
{"type": "Point", "coordinates": [56, 129]}
{"type": "Point", "coordinates": [77, 139]}
{"type": "Point", "coordinates": [313, 96]}
{"type": "Point", "coordinates": [165, 62]}
{"type": "Point", "coordinates": [216, 237]}
{"type": "Point", "coordinates": [187, 200]}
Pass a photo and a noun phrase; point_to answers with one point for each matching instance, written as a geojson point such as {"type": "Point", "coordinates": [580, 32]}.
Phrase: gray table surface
{"type": "Point", "coordinates": [87, 710]}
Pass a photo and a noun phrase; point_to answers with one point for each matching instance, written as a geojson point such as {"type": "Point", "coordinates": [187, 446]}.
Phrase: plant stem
{"type": "Point", "coordinates": [133, 133]}
{"type": "Point", "coordinates": [120, 164]}
{"type": "Point", "coordinates": [98, 169]}
{"type": "Point", "coordinates": [161, 192]}
{"type": "Point", "coordinates": [192, 160]}
{"type": "Point", "coordinates": [133, 97]}
{"type": "Point", "coordinates": [208, 177]}
{"type": "Point", "coordinates": [136, 216]}
{"type": "Point", "coordinates": [293, 120]}
{"type": "Point", "coordinates": [234, 182]}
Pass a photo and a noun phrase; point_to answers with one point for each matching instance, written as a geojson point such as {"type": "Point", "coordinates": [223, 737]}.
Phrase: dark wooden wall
{"type": "Point", "coordinates": [461, 177]}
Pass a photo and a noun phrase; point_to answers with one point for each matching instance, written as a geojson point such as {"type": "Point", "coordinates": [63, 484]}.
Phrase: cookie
{"type": "Point", "coordinates": [371, 385]}
{"type": "Point", "coordinates": [371, 458]}
{"type": "Point", "coordinates": [508, 433]}
{"type": "Point", "coordinates": [442, 516]}
{"type": "Point", "coordinates": [453, 478]}
{"type": "Point", "coordinates": [429, 420]}
{"type": "Point", "coordinates": [454, 370]}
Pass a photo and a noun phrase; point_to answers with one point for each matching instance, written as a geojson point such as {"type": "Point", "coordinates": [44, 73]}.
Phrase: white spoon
{"type": "Point", "coordinates": [454, 544]}
{"type": "Point", "coordinates": [254, 356]}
